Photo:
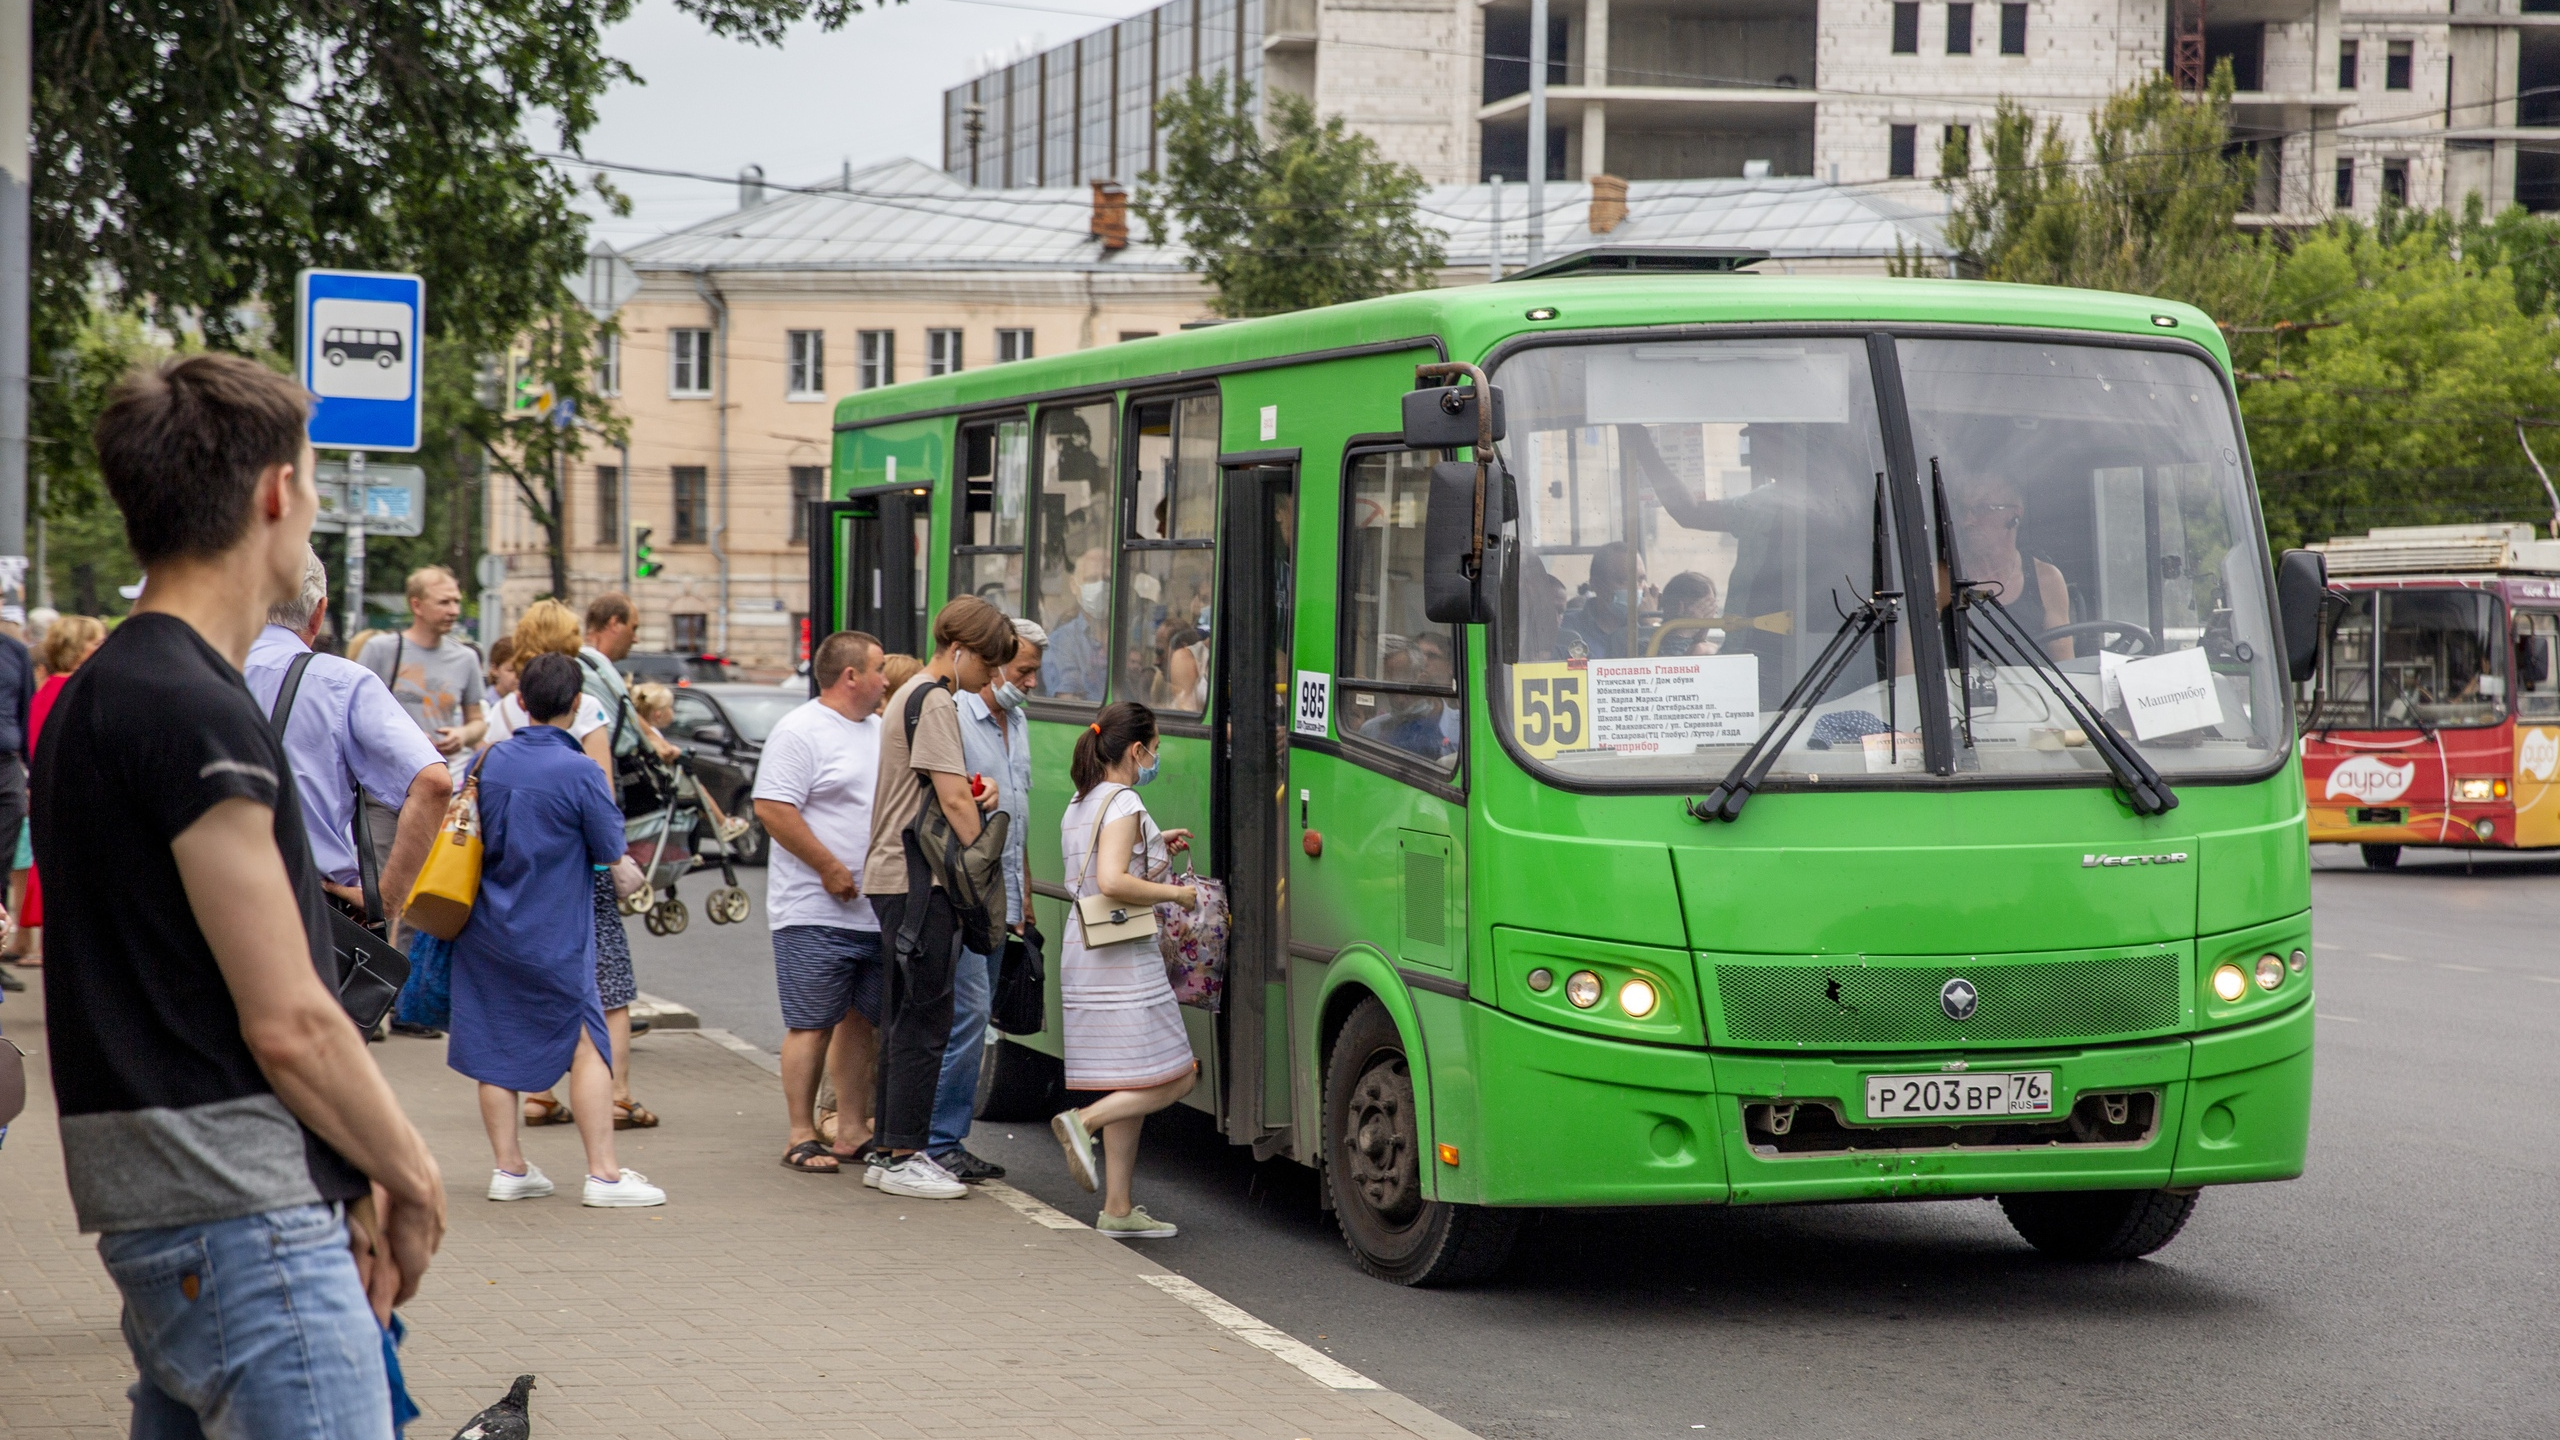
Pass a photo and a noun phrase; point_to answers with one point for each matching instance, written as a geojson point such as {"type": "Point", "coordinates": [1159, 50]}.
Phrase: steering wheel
{"type": "Point", "coordinates": [2145, 643]}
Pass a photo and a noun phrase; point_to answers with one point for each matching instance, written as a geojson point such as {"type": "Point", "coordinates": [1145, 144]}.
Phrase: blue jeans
{"type": "Point", "coordinates": [250, 1329]}
{"type": "Point", "coordinates": [955, 1099]}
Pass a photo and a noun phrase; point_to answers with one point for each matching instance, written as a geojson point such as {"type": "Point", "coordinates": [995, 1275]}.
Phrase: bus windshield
{"type": "Point", "coordinates": [1697, 519]}
{"type": "Point", "coordinates": [2437, 665]}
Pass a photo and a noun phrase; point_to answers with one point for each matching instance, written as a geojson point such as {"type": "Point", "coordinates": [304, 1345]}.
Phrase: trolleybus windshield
{"type": "Point", "coordinates": [1698, 518]}
{"type": "Point", "coordinates": [2437, 666]}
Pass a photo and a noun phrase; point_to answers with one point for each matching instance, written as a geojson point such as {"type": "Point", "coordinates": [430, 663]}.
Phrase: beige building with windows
{"type": "Point", "coordinates": [735, 336]}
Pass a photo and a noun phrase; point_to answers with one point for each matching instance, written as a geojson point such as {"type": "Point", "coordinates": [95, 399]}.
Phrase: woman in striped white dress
{"type": "Point", "coordinates": [1123, 1028]}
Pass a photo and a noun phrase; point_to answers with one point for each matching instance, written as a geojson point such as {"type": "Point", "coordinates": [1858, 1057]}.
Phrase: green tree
{"type": "Point", "coordinates": [193, 159]}
{"type": "Point", "coordinates": [2147, 207]}
{"type": "Point", "coordinates": [1310, 216]}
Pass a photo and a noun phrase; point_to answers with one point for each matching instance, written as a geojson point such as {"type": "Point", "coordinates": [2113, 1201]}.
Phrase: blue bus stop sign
{"type": "Point", "coordinates": [358, 352]}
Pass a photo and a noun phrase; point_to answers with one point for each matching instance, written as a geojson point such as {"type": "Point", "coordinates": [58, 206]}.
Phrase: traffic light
{"type": "Point", "coordinates": [641, 564]}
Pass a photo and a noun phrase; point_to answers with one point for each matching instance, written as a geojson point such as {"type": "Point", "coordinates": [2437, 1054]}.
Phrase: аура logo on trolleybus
{"type": "Point", "coordinates": [2371, 779]}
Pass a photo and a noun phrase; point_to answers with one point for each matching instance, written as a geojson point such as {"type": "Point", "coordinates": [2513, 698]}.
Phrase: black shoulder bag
{"type": "Point", "coordinates": [370, 969]}
{"type": "Point", "coordinates": [970, 874]}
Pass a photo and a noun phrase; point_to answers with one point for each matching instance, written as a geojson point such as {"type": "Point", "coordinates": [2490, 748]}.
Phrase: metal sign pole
{"type": "Point", "coordinates": [351, 619]}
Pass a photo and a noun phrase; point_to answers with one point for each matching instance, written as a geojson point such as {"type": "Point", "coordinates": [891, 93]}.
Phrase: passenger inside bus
{"type": "Point", "coordinates": [1411, 723]}
{"type": "Point", "coordinates": [1991, 515]}
{"type": "Point", "coordinates": [1691, 608]}
{"type": "Point", "coordinates": [1078, 661]}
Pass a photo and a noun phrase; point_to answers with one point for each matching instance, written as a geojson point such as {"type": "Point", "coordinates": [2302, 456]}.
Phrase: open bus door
{"type": "Point", "coordinates": [1249, 790]}
{"type": "Point", "coordinates": [867, 569]}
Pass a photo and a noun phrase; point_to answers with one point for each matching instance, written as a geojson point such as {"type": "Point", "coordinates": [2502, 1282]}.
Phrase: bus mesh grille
{"type": "Point", "coordinates": [1850, 1003]}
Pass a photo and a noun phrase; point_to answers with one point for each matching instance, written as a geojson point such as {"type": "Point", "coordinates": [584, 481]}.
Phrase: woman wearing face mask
{"type": "Point", "coordinates": [1123, 1029]}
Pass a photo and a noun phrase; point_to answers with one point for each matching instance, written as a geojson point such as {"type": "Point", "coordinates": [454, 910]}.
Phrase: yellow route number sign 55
{"type": "Point", "coordinates": [1551, 707]}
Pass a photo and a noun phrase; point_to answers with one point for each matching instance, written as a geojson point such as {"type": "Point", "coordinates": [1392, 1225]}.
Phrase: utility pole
{"type": "Point", "coordinates": [1537, 131]}
{"type": "Point", "coordinates": [353, 507]}
{"type": "Point", "coordinates": [17, 175]}
{"type": "Point", "coordinates": [1493, 270]}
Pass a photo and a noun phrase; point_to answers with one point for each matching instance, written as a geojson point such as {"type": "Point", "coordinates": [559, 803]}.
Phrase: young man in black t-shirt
{"type": "Point", "coordinates": [261, 1200]}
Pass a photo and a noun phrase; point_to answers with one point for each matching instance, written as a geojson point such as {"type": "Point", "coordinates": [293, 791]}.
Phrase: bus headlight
{"type": "Point", "coordinates": [1583, 989]}
{"type": "Point", "coordinates": [2229, 983]}
{"type": "Point", "coordinates": [2478, 788]}
{"type": "Point", "coordinates": [1637, 998]}
{"type": "Point", "coordinates": [2270, 971]}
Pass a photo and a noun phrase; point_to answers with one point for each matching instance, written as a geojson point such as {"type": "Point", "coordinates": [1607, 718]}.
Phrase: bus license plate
{"type": "Point", "coordinates": [1898, 1097]}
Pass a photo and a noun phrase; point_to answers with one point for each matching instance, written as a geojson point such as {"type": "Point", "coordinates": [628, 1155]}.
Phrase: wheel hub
{"type": "Point", "coordinates": [1380, 1139]}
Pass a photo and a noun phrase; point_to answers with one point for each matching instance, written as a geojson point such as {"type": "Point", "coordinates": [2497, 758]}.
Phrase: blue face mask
{"type": "Point", "coordinates": [1147, 771]}
{"type": "Point", "coordinates": [1009, 695]}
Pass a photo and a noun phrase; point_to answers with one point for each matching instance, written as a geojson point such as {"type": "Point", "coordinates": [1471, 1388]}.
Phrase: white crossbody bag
{"type": "Point", "coordinates": [1106, 921]}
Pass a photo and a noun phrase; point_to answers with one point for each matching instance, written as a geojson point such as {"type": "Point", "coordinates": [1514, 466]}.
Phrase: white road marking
{"type": "Point", "coordinates": [1318, 1366]}
{"type": "Point", "coordinates": [2466, 969]}
{"type": "Point", "coordinates": [2343, 1019]}
{"type": "Point", "coordinates": [1030, 1208]}
{"type": "Point", "coordinates": [2380, 955]}
{"type": "Point", "coordinates": [2548, 979]}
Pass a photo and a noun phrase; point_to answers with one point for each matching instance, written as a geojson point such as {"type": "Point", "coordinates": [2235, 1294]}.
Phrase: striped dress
{"type": "Point", "coordinates": [1124, 1031]}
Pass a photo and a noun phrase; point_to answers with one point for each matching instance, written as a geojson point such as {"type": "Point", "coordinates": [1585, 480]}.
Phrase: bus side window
{"type": "Point", "coordinates": [1071, 583]}
{"type": "Point", "coordinates": [1399, 683]}
{"type": "Point", "coordinates": [2537, 679]}
{"type": "Point", "coordinates": [1169, 565]}
{"type": "Point", "coordinates": [995, 472]}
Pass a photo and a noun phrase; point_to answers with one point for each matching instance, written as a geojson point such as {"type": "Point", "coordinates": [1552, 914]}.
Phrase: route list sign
{"type": "Point", "coordinates": [1651, 705]}
{"type": "Point", "coordinates": [1672, 704]}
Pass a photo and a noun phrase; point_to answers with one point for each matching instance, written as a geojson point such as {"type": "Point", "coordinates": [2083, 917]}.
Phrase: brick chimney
{"type": "Point", "coordinates": [1110, 215]}
{"type": "Point", "coordinates": [1608, 203]}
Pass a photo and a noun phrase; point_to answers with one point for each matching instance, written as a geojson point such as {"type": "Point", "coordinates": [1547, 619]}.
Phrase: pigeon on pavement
{"type": "Point", "coordinates": [506, 1420]}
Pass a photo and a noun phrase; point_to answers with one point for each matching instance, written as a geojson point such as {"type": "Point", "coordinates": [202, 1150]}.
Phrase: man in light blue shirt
{"type": "Point", "coordinates": [995, 736]}
{"type": "Point", "coordinates": [345, 723]}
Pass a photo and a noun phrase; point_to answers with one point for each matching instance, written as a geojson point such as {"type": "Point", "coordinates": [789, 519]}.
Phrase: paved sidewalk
{"type": "Point", "coordinates": [757, 1302]}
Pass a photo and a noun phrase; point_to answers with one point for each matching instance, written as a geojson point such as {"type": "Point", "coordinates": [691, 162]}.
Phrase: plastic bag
{"type": "Point", "coordinates": [1194, 943]}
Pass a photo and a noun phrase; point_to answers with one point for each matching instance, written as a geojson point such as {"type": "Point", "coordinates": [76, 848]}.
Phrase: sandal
{"type": "Point", "coordinates": [632, 1115]}
{"type": "Point", "coordinates": [552, 1112]}
{"type": "Point", "coordinates": [804, 1156]}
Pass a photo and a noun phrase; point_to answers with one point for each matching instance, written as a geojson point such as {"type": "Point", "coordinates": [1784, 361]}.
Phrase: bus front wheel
{"type": "Point", "coordinates": [2099, 1224]}
{"type": "Point", "coordinates": [1373, 1167]}
{"type": "Point", "coordinates": [2380, 857]}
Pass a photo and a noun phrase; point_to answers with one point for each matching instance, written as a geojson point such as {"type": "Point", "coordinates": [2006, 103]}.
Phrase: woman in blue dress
{"type": "Point", "coordinates": [525, 1005]}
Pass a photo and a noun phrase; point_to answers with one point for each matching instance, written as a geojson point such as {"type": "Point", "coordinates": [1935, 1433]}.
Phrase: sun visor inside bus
{"type": "Point", "coordinates": [1715, 383]}
{"type": "Point", "coordinates": [1439, 418]}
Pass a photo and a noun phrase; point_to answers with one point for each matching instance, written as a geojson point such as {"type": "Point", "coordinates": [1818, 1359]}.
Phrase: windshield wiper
{"type": "Point", "coordinates": [1875, 617]}
{"type": "Point", "coordinates": [2142, 786]}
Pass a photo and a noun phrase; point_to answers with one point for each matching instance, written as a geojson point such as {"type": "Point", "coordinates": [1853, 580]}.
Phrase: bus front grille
{"type": "Point", "coordinates": [1898, 1003]}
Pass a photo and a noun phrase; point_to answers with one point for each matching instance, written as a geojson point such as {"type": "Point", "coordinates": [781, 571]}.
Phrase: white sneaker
{"type": "Point", "coordinates": [1077, 1142]}
{"type": "Point", "coordinates": [920, 1177]}
{"type": "Point", "coordinates": [531, 1185]}
{"type": "Point", "coordinates": [631, 1191]}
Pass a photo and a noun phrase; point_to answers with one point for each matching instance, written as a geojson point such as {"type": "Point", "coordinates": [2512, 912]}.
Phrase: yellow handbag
{"type": "Point", "coordinates": [440, 902]}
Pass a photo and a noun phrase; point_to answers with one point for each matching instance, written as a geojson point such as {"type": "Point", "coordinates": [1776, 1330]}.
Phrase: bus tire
{"type": "Point", "coordinates": [1373, 1169]}
{"type": "Point", "coordinates": [2099, 1224]}
{"type": "Point", "coordinates": [2380, 857]}
{"type": "Point", "coordinates": [1016, 1082]}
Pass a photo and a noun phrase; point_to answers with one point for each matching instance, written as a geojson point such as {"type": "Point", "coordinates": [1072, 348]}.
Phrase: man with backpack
{"type": "Point", "coordinates": [928, 806]}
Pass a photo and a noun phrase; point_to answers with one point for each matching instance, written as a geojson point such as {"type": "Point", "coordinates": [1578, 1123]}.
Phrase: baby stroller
{"type": "Point", "coordinates": [662, 842]}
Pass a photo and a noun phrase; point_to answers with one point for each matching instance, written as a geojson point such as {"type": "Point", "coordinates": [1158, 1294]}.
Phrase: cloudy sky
{"type": "Point", "coordinates": [871, 91]}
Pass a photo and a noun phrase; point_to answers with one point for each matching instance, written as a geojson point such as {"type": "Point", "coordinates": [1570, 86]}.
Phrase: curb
{"type": "Point", "coordinates": [664, 1014]}
{"type": "Point", "coordinates": [1406, 1414]}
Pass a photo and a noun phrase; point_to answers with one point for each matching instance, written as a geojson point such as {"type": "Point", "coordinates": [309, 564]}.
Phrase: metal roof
{"type": "Point", "coordinates": [906, 215]}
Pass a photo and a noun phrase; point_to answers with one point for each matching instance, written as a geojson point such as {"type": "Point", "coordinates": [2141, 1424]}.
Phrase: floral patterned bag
{"type": "Point", "coordinates": [1194, 942]}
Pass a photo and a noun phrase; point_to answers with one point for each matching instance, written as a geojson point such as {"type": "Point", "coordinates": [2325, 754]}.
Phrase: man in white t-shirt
{"type": "Point", "coordinates": [814, 786]}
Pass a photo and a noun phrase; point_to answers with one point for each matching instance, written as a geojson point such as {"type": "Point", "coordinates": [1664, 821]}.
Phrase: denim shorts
{"type": "Point", "coordinates": [250, 1329]}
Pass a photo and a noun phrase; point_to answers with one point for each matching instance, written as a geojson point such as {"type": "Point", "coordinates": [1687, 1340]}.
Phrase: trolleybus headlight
{"type": "Point", "coordinates": [1636, 997]}
{"type": "Point", "coordinates": [2299, 960]}
{"type": "Point", "coordinates": [2270, 971]}
{"type": "Point", "coordinates": [2475, 788]}
{"type": "Point", "coordinates": [2229, 983]}
{"type": "Point", "coordinates": [1583, 989]}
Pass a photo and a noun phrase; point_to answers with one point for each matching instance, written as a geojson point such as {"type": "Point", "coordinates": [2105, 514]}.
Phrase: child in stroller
{"type": "Point", "coordinates": [655, 704]}
{"type": "Point", "coordinates": [660, 834]}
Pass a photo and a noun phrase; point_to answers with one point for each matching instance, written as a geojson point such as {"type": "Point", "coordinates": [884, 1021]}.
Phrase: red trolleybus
{"type": "Point", "coordinates": [2435, 716]}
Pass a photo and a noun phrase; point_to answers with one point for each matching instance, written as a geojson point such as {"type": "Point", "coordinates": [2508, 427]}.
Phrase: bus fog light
{"type": "Point", "coordinates": [2299, 960]}
{"type": "Point", "coordinates": [2229, 983]}
{"type": "Point", "coordinates": [2270, 972]}
{"type": "Point", "coordinates": [2484, 827]}
{"type": "Point", "coordinates": [1583, 989]}
{"type": "Point", "coordinates": [1636, 997]}
{"type": "Point", "coordinates": [1542, 979]}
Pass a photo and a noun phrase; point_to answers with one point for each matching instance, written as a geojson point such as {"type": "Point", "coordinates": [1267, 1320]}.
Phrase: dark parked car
{"type": "Point", "coordinates": [671, 669]}
{"type": "Point", "coordinates": [722, 730]}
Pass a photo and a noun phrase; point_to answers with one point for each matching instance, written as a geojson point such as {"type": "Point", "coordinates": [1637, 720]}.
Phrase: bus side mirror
{"type": "Point", "coordinates": [2302, 584]}
{"type": "Point", "coordinates": [1449, 596]}
{"type": "Point", "coordinates": [1437, 419]}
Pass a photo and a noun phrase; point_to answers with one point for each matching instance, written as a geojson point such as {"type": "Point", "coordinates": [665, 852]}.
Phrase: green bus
{"type": "Point", "coordinates": [1795, 740]}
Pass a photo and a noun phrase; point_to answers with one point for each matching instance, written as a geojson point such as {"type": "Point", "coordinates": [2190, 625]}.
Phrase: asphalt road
{"type": "Point", "coordinates": [2404, 1286]}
